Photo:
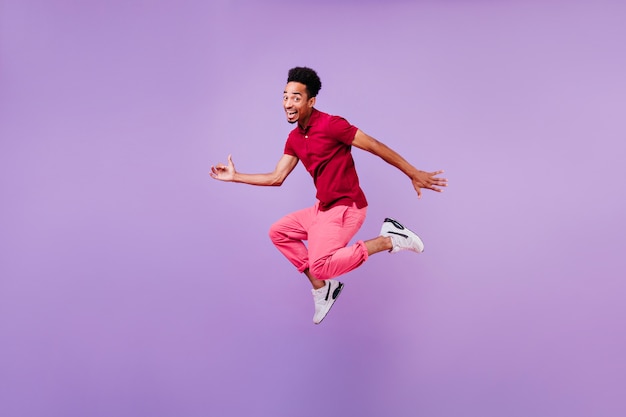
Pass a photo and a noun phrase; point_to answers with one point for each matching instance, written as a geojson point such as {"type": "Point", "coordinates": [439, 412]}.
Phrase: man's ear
{"type": "Point", "coordinates": [312, 102]}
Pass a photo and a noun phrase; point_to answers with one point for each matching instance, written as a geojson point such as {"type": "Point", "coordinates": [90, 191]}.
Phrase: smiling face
{"type": "Point", "coordinates": [297, 104]}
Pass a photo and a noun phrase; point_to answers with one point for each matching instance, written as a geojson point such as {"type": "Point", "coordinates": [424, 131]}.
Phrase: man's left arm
{"type": "Point", "coordinates": [420, 179]}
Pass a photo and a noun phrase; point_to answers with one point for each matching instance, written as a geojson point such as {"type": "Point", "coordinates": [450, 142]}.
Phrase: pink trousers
{"type": "Point", "coordinates": [327, 232]}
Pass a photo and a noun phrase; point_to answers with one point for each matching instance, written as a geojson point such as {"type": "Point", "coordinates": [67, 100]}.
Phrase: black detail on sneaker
{"type": "Point", "coordinates": [328, 292]}
{"type": "Point", "coordinates": [394, 222]}
{"type": "Point", "coordinates": [399, 234]}
{"type": "Point", "coordinates": [337, 290]}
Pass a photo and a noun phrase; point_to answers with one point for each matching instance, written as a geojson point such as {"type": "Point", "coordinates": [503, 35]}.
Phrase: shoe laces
{"type": "Point", "coordinates": [319, 295]}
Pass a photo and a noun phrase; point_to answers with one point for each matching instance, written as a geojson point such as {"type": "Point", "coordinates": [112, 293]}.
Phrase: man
{"type": "Point", "coordinates": [323, 143]}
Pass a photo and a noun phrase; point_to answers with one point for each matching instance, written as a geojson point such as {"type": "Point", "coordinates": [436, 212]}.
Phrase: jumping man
{"type": "Point", "coordinates": [323, 143]}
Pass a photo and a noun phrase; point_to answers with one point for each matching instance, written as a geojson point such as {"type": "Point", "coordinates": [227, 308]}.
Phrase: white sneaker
{"type": "Point", "coordinates": [324, 298]}
{"type": "Point", "coordinates": [401, 237]}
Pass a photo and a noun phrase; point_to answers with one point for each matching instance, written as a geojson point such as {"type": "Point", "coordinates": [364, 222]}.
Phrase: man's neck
{"type": "Point", "coordinates": [304, 123]}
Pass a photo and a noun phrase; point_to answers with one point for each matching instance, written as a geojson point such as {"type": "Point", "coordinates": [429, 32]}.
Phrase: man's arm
{"type": "Point", "coordinates": [285, 165]}
{"type": "Point", "coordinates": [420, 179]}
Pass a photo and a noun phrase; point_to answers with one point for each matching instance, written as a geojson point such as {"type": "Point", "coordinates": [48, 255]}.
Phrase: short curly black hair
{"type": "Point", "coordinates": [308, 77]}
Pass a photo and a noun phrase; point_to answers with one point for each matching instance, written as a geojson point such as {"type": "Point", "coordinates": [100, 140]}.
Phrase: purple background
{"type": "Point", "coordinates": [132, 284]}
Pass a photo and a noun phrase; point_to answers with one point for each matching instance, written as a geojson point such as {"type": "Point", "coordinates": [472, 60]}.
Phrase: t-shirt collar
{"type": "Point", "coordinates": [312, 119]}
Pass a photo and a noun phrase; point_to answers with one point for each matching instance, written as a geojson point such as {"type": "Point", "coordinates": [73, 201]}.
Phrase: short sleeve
{"type": "Point", "coordinates": [289, 149]}
{"type": "Point", "coordinates": [342, 130]}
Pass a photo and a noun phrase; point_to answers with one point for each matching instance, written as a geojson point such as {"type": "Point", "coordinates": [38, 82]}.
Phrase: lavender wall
{"type": "Point", "coordinates": [131, 284]}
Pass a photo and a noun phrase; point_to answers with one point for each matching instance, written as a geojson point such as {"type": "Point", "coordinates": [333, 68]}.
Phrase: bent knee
{"type": "Point", "coordinates": [275, 233]}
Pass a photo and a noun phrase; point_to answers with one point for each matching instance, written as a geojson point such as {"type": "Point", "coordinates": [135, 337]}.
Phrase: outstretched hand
{"type": "Point", "coordinates": [428, 180]}
{"type": "Point", "coordinates": [223, 172]}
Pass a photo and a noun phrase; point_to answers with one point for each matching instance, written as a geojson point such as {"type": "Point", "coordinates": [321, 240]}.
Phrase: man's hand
{"type": "Point", "coordinates": [422, 179]}
{"type": "Point", "coordinates": [224, 172]}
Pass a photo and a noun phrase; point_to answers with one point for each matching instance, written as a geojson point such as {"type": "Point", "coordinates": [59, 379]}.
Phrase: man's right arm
{"type": "Point", "coordinates": [228, 173]}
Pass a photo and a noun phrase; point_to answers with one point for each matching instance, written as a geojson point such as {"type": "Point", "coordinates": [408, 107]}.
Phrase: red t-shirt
{"type": "Point", "coordinates": [324, 149]}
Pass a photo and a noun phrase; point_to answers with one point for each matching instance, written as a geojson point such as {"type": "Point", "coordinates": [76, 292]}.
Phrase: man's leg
{"type": "Point", "coordinates": [288, 234]}
{"type": "Point", "coordinates": [315, 283]}
{"type": "Point", "coordinates": [382, 243]}
{"type": "Point", "coordinates": [333, 229]}
{"type": "Point", "coordinates": [329, 256]}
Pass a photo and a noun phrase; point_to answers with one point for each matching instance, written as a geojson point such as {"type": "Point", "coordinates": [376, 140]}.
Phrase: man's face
{"type": "Point", "coordinates": [298, 106]}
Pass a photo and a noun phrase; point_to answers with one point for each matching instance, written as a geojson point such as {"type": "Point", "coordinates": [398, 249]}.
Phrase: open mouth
{"type": "Point", "coordinates": [291, 114]}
